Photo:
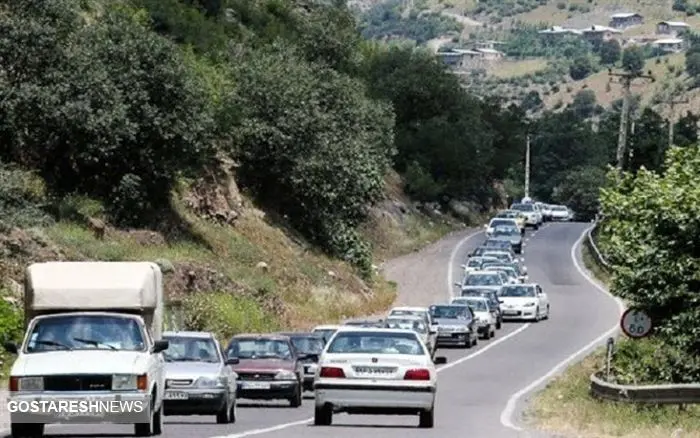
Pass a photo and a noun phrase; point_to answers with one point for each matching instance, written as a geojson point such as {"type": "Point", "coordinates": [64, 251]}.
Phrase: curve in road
{"type": "Point", "coordinates": [475, 385]}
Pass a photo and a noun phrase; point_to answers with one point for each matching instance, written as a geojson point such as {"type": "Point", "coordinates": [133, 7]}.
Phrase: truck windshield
{"type": "Point", "coordinates": [84, 332]}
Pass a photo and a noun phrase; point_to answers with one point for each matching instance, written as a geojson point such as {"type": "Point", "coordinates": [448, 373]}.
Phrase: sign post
{"type": "Point", "coordinates": [635, 323]}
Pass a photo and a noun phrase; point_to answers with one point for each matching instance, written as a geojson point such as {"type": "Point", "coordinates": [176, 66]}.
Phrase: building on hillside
{"type": "Point", "coordinates": [490, 54]}
{"type": "Point", "coordinates": [558, 31]}
{"type": "Point", "coordinates": [669, 45]}
{"type": "Point", "coordinates": [673, 28]}
{"type": "Point", "coordinates": [625, 19]}
{"type": "Point", "coordinates": [597, 33]}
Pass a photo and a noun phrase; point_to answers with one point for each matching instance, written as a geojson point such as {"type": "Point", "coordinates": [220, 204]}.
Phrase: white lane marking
{"type": "Point", "coordinates": [460, 361]}
{"type": "Point", "coordinates": [509, 411]}
{"type": "Point", "coordinates": [451, 261]}
{"type": "Point", "coordinates": [442, 368]}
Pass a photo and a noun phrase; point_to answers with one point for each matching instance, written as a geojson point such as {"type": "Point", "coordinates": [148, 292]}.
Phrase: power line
{"type": "Point", "coordinates": [626, 79]}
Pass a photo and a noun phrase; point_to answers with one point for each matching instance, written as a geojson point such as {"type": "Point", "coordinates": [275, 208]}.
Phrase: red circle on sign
{"type": "Point", "coordinates": [635, 329]}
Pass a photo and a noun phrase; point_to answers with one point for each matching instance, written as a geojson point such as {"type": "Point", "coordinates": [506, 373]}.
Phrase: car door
{"type": "Point", "coordinates": [432, 331]}
{"type": "Point", "coordinates": [228, 373]}
{"type": "Point", "coordinates": [542, 298]}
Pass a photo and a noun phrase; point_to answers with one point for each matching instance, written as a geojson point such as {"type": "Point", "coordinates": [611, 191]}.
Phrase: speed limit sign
{"type": "Point", "coordinates": [635, 323]}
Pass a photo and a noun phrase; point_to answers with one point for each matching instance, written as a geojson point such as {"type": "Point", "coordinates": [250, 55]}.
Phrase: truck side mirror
{"type": "Point", "coordinates": [11, 347]}
{"type": "Point", "coordinates": [160, 346]}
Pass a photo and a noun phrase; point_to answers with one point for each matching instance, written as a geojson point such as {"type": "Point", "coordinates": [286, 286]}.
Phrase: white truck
{"type": "Point", "coordinates": [93, 332]}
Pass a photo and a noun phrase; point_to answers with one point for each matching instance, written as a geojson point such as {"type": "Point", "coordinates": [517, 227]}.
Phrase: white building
{"type": "Point", "coordinates": [672, 28]}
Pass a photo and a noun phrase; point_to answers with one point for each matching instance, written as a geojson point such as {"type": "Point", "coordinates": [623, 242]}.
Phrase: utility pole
{"type": "Point", "coordinates": [626, 79]}
{"type": "Point", "coordinates": [672, 118]}
{"type": "Point", "coordinates": [527, 164]}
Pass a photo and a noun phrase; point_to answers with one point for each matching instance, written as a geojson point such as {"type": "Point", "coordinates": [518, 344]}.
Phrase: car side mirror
{"type": "Point", "coordinates": [232, 361]}
{"type": "Point", "coordinates": [522, 259]}
{"type": "Point", "coordinates": [500, 301]}
{"type": "Point", "coordinates": [458, 284]}
{"type": "Point", "coordinates": [11, 347]}
{"type": "Point", "coordinates": [160, 346]}
{"type": "Point", "coordinates": [440, 360]}
{"type": "Point", "coordinates": [463, 266]}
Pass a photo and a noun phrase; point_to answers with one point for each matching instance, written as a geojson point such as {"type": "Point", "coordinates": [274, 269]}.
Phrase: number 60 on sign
{"type": "Point", "coordinates": [635, 323]}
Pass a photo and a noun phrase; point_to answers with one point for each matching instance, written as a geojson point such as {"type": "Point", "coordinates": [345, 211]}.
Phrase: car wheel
{"type": "Point", "coordinates": [323, 416]}
{"type": "Point", "coordinates": [475, 342]}
{"type": "Point", "coordinates": [492, 334]}
{"type": "Point", "coordinates": [296, 400]}
{"type": "Point", "coordinates": [499, 323]}
{"type": "Point", "coordinates": [537, 315]}
{"type": "Point", "coordinates": [546, 315]}
{"type": "Point", "coordinates": [224, 415]}
{"type": "Point", "coordinates": [536, 227]}
{"type": "Point", "coordinates": [426, 419]}
{"type": "Point", "coordinates": [149, 429]}
{"type": "Point", "coordinates": [487, 333]}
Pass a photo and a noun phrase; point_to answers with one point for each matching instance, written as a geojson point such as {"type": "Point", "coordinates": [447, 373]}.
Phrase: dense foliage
{"type": "Point", "coordinates": [651, 236]}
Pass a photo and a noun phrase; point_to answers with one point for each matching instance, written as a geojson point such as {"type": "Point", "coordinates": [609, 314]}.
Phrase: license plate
{"type": "Point", "coordinates": [373, 370]}
{"type": "Point", "coordinates": [169, 395]}
{"type": "Point", "coordinates": [510, 312]}
{"type": "Point", "coordinates": [255, 385]}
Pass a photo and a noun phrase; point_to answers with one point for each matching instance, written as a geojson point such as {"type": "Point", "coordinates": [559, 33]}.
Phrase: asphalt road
{"type": "Point", "coordinates": [481, 390]}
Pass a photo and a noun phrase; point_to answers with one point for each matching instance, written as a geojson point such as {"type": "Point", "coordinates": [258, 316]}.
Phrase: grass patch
{"type": "Point", "coordinates": [591, 263]}
{"type": "Point", "coordinates": [511, 69]}
{"type": "Point", "coordinates": [564, 407]}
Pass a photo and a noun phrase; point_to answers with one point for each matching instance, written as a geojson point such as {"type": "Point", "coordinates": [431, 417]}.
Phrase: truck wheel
{"type": "Point", "coordinates": [26, 430]}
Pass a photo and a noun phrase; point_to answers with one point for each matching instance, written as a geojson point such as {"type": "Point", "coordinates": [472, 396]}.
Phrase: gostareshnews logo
{"type": "Point", "coordinates": [118, 411]}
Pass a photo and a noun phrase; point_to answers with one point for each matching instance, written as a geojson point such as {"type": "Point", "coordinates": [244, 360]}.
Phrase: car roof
{"type": "Point", "coordinates": [480, 273]}
{"type": "Point", "coordinates": [349, 328]}
{"type": "Point", "coordinates": [448, 305]}
{"type": "Point", "coordinates": [469, 298]}
{"type": "Point", "coordinates": [521, 284]}
{"type": "Point", "coordinates": [409, 308]}
{"type": "Point", "coordinates": [190, 334]}
{"type": "Point", "coordinates": [273, 336]}
{"type": "Point", "coordinates": [327, 327]}
{"type": "Point", "coordinates": [414, 317]}
{"type": "Point", "coordinates": [300, 335]}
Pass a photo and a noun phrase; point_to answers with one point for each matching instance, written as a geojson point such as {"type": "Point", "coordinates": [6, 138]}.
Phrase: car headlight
{"type": "Point", "coordinates": [124, 382]}
{"type": "Point", "coordinates": [208, 382]}
{"type": "Point", "coordinates": [530, 304]}
{"type": "Point", "coordinates": [286, 375]}
{"type": "Point", "coordinates": [30, 384]}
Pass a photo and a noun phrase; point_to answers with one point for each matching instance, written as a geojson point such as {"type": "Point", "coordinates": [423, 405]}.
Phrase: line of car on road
{"type": "Point", "coordinates": [367, 366]}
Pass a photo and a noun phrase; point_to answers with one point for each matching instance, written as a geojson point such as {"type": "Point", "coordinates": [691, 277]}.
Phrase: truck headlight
{"type": "Point", "coordinates": [208, 382]}
{"type": "Point", "coordinates": [30, 384]}
{"type": "Point", "coordinates": [124, 382]}
{"type": "Point", "coordinates": [286, 375]}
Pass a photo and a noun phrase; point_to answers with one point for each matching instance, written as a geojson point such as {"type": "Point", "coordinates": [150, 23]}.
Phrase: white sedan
{"type": "Point", "coordinates": [524, 301]}
{"type": "Point", "coordinates": [376, 372]}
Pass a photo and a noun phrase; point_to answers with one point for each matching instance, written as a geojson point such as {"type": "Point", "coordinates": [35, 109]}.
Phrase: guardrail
{"type": "Point", "coordinates": [597, 255]}
{"type": "Point", "coordinates": [678, 394]}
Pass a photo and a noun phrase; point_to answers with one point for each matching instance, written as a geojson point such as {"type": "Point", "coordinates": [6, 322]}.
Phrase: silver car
{"type": "Point", "coordinates": [198, 380]}
{"type": "Point", "coordinates": [456, 325]}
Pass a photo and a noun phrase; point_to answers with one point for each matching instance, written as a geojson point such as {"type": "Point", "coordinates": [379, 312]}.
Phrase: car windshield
{"type": "Point", "coordinates": [474, 263]}
{"type": "Point", "coordinates": [449, 312]}
{"type": "Point", "coordinates": [325, 333]}
{"type": "Point", "coordinates": [307, 344]}
{"type": "Point", "coordinates": [482, 280]}
{"type": "Point", "coordinates": [500, 222]}
{"type": "Point", "coordinates": [508, 214]}
{"type": "Point", "coordinates": [477, 305]}
{"type": "Point", "coordinates": [503, 230]}
{"type": "Point", "coordinates": [497, 243]}
{"type": "Point", "coordinates": [407, 324]}
{"type": "Point", "coordinates": [259, 348]}
{"type": "Point", "coordinates": [488, 294]}
{"type": "Point", "coordinates": [559, 208]}
{"type": "Point", "coordinates": [407, 313]}
{"type": "Point", "coordinates": [501, 256]}
{"type": "Point", "coordinates": [371, 342]}
{"type": "Point", "coordinates": [83, 332]}
{"type": "Point", "coordinates": [191, 349]}
{"type": "Point", "coordinates": [518, 291]}
{"type": "Point", "coordinates": [523, 207]}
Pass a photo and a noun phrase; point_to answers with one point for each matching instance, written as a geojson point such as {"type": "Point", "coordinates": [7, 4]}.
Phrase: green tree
{"type": "Point", "coordinates": [692, 64]}
{"type": "Point", "coordinates": [685, 132]}
{"type": "Point", "coordinates": [312, 145]}
{"type": "Point", "coordinates": [610, 52]}
{"type": "Point", "coordinates": [651, 236]}
{"type": "Point", "coordinates": [584, 103]}
{"type": "Point", "coordinates": [649, 141]}
{"type": "Point", "coordinates": [579, 189]}
{"type": "Point", "coordinates": [580, 68]}
{"type": "Point", "coordinates": [633, 59]}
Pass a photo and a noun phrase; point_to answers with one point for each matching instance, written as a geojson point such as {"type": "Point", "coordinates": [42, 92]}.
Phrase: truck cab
{"type": "Point", "coordinates": [93, 332]}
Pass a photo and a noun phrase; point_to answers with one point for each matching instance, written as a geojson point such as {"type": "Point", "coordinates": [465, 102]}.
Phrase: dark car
{"type": "Point", "coordinates": [478, 252]}
{"type": "Point", "coordinates": [456, 325]}
{"type": "Point", "coordinates": [310, 345]}
{"type": "Point", "coordinates": [491, 295]}
{"type": "Point", "coordinates": [269, 367]}
{"type": "Point", "coordinates": [510, 238]}
{"type": "Point", "coordinates": [496, 243]}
